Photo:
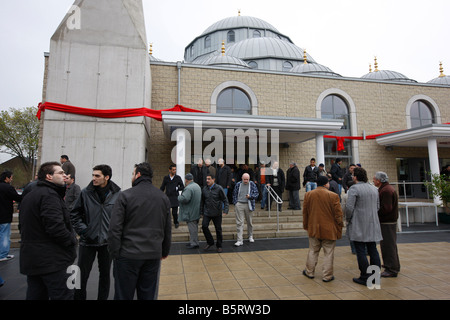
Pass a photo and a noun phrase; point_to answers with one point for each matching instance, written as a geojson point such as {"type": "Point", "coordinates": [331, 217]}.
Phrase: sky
{"type": "Point", "coordinates": [407, 36]}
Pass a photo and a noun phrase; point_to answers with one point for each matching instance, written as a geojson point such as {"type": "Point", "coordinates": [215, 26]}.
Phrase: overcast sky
{"type": "Point", "coordinates": [407, 36]}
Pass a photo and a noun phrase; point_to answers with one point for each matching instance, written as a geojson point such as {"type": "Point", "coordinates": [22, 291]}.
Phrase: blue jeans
{"type": "Point", "coordinates": [363, 263]}
{"type": "Point", "coordinates": [140, 276]}
{"type": "Point", "coordinates": [311, 186]}
{"type": "Point", "coordinates": [263, 196]}
{"type": "Point", "coordinates": [5, 239]}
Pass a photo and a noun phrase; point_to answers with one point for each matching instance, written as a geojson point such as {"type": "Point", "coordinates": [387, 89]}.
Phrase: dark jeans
{"type": "Point", "coordinates": [140, 276]}
{"type": "Point", "coordinates": [86, 257]}
{"type": "Point", "coordinates": [363, 263]}
{"type": "Point", "coordinates": [217, 220]}
{"type": "Point", "coordinates": [175, 215]}
{"type": "Point", "coordinates": [51, 286]}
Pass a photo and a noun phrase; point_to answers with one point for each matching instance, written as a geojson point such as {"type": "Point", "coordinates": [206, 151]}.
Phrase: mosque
{"type": "Point", "coordinates": [242, 74]}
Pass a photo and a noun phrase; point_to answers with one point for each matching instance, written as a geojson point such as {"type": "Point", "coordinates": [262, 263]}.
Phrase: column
{"type": "Point", "coordinates": [320, 149]}
{"type": "Point", "coordinates": [434, 160]}
{"type": "Point", "coordinates": [181, 152]}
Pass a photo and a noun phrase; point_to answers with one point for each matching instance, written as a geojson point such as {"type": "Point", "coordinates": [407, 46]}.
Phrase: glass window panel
{"type": "Point", "coordinates": [256, 34]}
{"type": "Point", "coordinates": [230, 36]}
{"type": "Point", "coordinates": [207, 42]}
{"type": "Point", "coordinates": [327, 105]}
{"type": "Point", "coordinates": [339, 106]}
{"type": "Point", "coordinates": [233, 100]}
{"type": "Point", "coordinates": [253, 65]}
{"type": "Point", "coordinates": [287, 66]}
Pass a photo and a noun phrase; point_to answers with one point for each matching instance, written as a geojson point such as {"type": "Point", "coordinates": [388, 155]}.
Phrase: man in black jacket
{"type": "Point", "coordinates": [172, 183]}
{"type": "Point", "coordinates": [90, 218]}
{"type": "Point", "coordinates": [7, 197]}
{"type": "Point", "coordinates": [293, 185]}
{"type": "Point", "coordinates": [139, 236]}
{"type": "Point", "coordinates": [213, 200]}
{"type": "Point", "coordinates": [48, 241]}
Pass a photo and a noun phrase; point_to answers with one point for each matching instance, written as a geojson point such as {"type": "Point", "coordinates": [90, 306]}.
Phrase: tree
{"type": "Point", "coordinates": [19, 134]}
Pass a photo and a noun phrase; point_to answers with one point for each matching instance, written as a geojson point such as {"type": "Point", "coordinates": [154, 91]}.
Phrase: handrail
{"type": "Point", "coordinates": [278, 200]}
{"type": "Point", "coordinates": [404, 183]}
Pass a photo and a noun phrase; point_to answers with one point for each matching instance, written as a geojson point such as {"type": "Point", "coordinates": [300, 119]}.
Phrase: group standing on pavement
{"type": "Point", "coordinates": [131, 229]}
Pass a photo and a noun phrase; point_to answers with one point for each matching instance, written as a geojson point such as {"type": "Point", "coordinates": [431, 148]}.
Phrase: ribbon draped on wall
{"type": "Point", "coordinates": [156, 114]}
{"type": "Point", "coordinates": [110, 113]}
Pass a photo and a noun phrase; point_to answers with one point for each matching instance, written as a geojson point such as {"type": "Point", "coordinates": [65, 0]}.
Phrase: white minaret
{"type": "Point", "coordinates": [99, 60]}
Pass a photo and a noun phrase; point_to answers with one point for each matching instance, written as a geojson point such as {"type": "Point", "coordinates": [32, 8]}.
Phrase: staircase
{"type": "Point", "coordinates": [290, 225]}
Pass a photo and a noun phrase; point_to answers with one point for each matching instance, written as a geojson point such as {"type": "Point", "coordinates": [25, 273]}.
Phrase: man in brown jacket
{"type": "Point", "coordinates": [322, 218]}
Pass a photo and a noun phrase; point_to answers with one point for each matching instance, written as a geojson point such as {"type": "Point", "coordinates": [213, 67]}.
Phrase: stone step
{"type": "Point", "coordinates": [264, 226]}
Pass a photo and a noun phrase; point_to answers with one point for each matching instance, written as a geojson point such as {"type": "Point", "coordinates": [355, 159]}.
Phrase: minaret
{"type": "Point", "coordinates": [99, 60]}
{"type": "Point", "coordinates": [441, 70]}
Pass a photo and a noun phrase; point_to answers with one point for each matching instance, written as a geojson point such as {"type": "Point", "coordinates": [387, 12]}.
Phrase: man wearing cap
{"type": "Point", "coordinates": [190, 200]}
{"type": "Point", "coordinates": [322, 218]}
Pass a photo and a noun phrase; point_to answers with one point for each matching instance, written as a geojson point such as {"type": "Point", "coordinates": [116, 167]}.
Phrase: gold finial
{"type": "Point", "coordinates": [376, 64]}
{"type": "Point", "coordinates": [441, 70]}
{"type": "Point", "coordinates": [304, 57]}
{"type": "Point", "coordinates": [223, 48]}
{"type": "Point", "coordinates": [239, 12]}
{"type": "Point", "coordinates": [151, 49]}
{"type": "Point", "coordinates": [370, 67]}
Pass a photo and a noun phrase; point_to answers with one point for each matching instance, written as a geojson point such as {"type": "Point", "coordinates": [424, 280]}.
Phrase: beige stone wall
{"type": "Point", "coordinates": [380, 107]}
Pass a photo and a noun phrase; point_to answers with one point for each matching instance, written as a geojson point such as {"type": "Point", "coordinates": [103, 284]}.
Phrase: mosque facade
{"type": "Point", "coordinates": [247, 77]}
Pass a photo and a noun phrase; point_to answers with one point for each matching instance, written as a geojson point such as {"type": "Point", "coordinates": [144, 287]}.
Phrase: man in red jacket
{"type": "Point", "coordinates": [388, 215]}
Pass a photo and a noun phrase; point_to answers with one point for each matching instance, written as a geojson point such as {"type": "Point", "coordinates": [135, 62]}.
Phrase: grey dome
{"type": "Point", "coordinates": [257, 48]}
{"type": "Point", "coordinates": [442, 80]}
{"type": "Point", "coordinates": [387, 75]}
{"type": "Point", "coordinates": [315, 69]}
{"type": "Point", "coordinates": [225, 61]}
{"type": "Point", "coordinates": [240, 22]}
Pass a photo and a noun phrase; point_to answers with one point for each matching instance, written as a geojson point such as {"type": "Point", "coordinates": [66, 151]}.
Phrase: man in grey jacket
{"type": "Point", "coordinates": [189, 201]}
{"type": "Point", "coordinates": [90, 216]}
{"type": "Point", "coordinates": [361, 211]}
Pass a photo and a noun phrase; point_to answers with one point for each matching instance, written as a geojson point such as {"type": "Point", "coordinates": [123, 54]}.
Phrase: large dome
{"type": "Point", "coordinates": [240, 22]}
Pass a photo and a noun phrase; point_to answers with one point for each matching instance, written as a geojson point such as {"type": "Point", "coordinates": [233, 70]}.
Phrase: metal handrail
{"type": "Point", "coordinates": [404, 183]}
{"type": "Point", "coordinates": [278, 200]}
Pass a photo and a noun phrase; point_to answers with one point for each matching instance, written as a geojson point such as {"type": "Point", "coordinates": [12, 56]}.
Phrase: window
{"type": "Point", "coordinates": [334, 107]}
{"type": "Point", "coordinates": [421, 114]}
{"type": "Point", "coordinates": [233, 101]}
{"type": "Point", "coordinates": [253, 65]}
{"type": "Point", "coordinates": [230, 36]}
{"type": "Point", "coordinates": [287, 66]}
{"type": "Point", "coordinates": [207, 42]}
{"type": "Point", "coordinates": [256, 34]}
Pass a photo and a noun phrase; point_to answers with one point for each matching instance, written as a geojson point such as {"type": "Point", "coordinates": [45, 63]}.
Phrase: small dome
{"type": "Point", "coordinates": [445, 81]}
{"type": "Point", "coordinates": [225, 61]}
{"type": "Point", "coordinates": [240, 22]}
{"type": "Point", "coordinates": [387, 75]}
{"type": "Point", "coordinates": [315, 69]}
{"type": "Point", "coordinates": [442, 79]}
{"type": "Point", "coordinates": [265, 47]}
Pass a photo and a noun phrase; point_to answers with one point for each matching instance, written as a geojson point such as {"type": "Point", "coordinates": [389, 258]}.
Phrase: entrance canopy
{"type": "Point", "coordinates": [431, 136]}
{"type": "Point", "coordinates": [285, 129]}
{"type": "Point", "coordinates": [291, 130]}
{"type": "Point", "coordinates": [418, 137]}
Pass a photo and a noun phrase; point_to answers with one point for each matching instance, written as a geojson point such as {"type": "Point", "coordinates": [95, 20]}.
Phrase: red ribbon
{"type": "Point", "coordinates": [340, 140]}
{"type": "Point", "coordinates": [110, 113]}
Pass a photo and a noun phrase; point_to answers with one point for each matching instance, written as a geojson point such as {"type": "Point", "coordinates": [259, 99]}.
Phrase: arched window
{"type": "Point", "coordinates": [335, 107]}
{"type": "Point", "coordinates": [421, 114]}
{"type": "Point", "coordinates": [233, 101]}
{"type": "Point", "coordinates": [256, 34]}
{"type": "Point", "coordinates": [207, 42]}
{"type": "Point", "coordinates": [287, 66]}
{"type": "Point", "coordinates": [230, 36]}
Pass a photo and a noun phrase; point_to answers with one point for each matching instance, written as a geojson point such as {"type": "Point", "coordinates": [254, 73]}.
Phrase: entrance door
{"type": "Point", "coordinates": [414, 171]}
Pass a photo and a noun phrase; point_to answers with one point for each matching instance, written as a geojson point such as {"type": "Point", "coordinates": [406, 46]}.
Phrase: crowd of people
{"type": "Point", "coordinates": [131, 229]}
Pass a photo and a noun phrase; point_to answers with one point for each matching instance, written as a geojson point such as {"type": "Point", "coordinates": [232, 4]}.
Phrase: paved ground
{"type": "Point", "coordinates": [271, 269]}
